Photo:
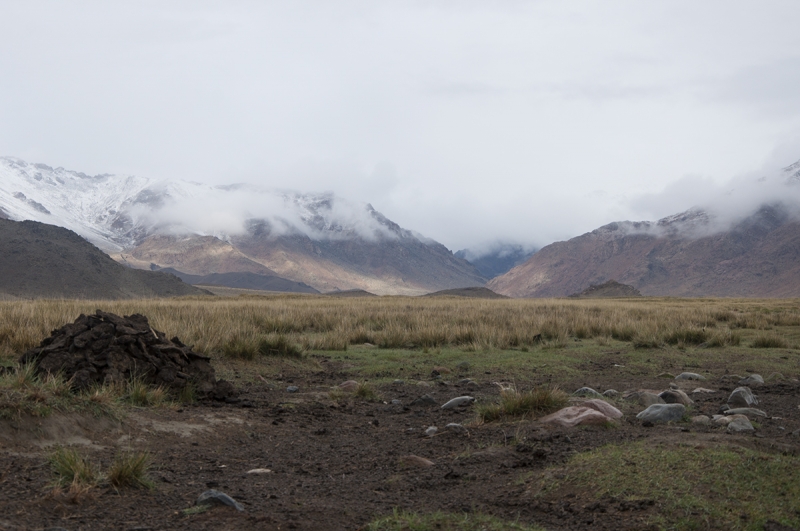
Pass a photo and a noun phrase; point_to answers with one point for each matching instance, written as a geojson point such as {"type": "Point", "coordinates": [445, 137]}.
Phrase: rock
{"type": "Point", "coordinates": [456, 428]}
{"type": "Point", "coordinates": [259, 471]}
{"type": "Point", "coordinates": [575, 415]}
{"type": "Point", "coordinates": [666, 375]}
{"type": "Point", "coordinates": [396, 402]}
{"type": "Point", "coordinates": [464, 381]}
{"type": "Point", "coordinates": [701, 419]}
{"type": "Point", "coordinates": [742, 397]}
{"type": "Point", "coordinates": [662, 413]}
{"type": "Point", "coordinates": [349, 386]}
{"type": "Point", "coordinates": [215, 497]}
{"type": "Point", "coordinates": [703, 390]}
{"type": "Point", "coordinates": [689, 376]}
{"type": "Point", "coordinates": [645, 398]}
{"type": "Point", "coordinates": [440, 370]}
{"type": "Point", "coordinates": [415, 460]}
{"type": "Point", "coordinates": [676, 396]}
{"type": "Point", "coordinates": [463, 366]}
{"type": "Point", "coordinates": [588, 392]}
{"type": "Point", "coordinates": [603, 407]}
{"type": "Point", "coordinates": [424, 401]}
{"type": "Point", "coordinates": [431, 431]}
{"type": "Point", "coordinates": [292, 389]}
{"type": "Point", "coordinates": [721, 420]}
{"type": "Point", "coordinates": [740, 424]}
{"type": "Point", "coordinates": [611, 393]}
{"type": "Point", "coordinates": [424, 384]}
{"type": "Point", "coordinates": [398, 382]}
{"type": "Point", "coordinates": [461, 401]}
{"type": "Point", "coordinates": [104, 348]}
{"type": "Point", "coordinates": [746, 411]}
{"type": "Point", "coordinates": [753, 379]}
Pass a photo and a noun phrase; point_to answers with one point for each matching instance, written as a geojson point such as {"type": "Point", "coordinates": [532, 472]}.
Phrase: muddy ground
{"type": "Point", "coordinates": [340, 464]}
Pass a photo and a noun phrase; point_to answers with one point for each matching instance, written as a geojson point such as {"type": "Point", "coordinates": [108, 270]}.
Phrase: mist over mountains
{"type": "Point", "coordinates": [324, 241]}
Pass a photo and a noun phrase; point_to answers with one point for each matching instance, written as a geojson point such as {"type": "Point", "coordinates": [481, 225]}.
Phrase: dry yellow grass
{"type": "Point", "coordinates": [213, 325]}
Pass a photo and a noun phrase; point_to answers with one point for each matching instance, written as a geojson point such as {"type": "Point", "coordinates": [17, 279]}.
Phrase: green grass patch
{"type": "Point", "coordinates": [769, 341]}
{"type": "Point", "coordinates": [439, 521]}
{"type": "Point", "coordinates": [723, 487]}
{"type": "Point", "coordinates": [72, 470]}
{"type": "Point", "coordinates": [514, 404]}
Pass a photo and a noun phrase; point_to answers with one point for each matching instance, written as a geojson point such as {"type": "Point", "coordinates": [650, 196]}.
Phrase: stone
{"type": "Point", "coordinates": [292, 389]}
{"type": "Point", "coordinates": [398, 382]}
{"type": "Point", "coordinates": [571, 416]}
{"type": "Point", "coordinates": [645, 398]}
{"type": "Point", "coordinates": [424, 401]}
{"type": "Point", "coordinates": [463, 366]}
{"type": "Point", "coordinates": [431, 431]}
{"type": "Point", "coordinates": [690, 376]}
{"type": "Point", "coordinates": [441, 370]}
{"type": "Point", "coordinates": [588, 392]}
{"type": "Point", "coordinates": [740, 424]}
{"type": "Point", "coordinates": [721, 420]}
{"type": "Point", "coordinates": [703, 390]}
{"type": "Point", "coordinates": [603, 407]}
{"type": "Point", "coordinates": [259, 471]}
{"type": "Point", "coordinates": [742, 397]}
{"type": "Point", "coordinates": [676, 396]}
{"type": "Point", "coordinates": [456, 428]}
{"type": "Point", "coordinates": [701, 419]}
{"type": "Point", "coordinates": [611, 393]}
{"type": "Point", "coordinates": [396, 402]}
{"type": "Point", "coordinates": [415, 460]}
{"type": "Point", "coordinates": [666, 375]}
{"type": "Point", "coordinates": [662, 413]}
{"type": "Point", "coordinates": [747, 412]}
{"type": "Point", "coordinates": [215, 497]}
{"type": "Point", "coordinates": [461, 401]}
{"type": "Point", "coordinates": [753, 379]}
{"type": "Point", "coordinates": [349, 386]}
{"type": "Point", "coordinates": [464, 381]}
{"type": "Point", "coordinates": [424, 384]}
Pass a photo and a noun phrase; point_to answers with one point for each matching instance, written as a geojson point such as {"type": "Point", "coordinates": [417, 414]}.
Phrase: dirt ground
{"type": "Point", "coordinates": [340, 464]}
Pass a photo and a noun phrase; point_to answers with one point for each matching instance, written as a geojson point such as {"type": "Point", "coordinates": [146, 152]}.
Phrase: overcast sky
{"type": "Point", "coordinates": [466, 121]}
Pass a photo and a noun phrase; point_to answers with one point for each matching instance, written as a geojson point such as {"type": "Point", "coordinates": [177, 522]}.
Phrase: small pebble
{"type": "Point", "coordinates": [292, 389]}
{"type": "Point", "coordinates": [431, 431]}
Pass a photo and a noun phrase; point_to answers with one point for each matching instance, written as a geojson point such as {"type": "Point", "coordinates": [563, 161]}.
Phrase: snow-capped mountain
{"type": "Point", "coordinates": [323, 240]}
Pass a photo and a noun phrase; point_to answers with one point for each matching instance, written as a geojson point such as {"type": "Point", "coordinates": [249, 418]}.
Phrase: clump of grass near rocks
{"type": "Point", "coordinates": [366, 391]}
{"type": "Point", "coordinates": [515, 404]}
{"type": "Point", "coordinates": [141, 394]}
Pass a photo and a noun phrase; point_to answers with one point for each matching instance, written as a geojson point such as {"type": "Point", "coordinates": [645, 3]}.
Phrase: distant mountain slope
{"type": "Point", "coordinates": [322, 240]}
{"type": "Point", "coordinates": [243, 281]}
{"type": "Point", "coordinates": [757, 257]}
{"type": "Point", "coordinates": [45, 261]}
{"type": "Point", "coordinates": [497, 260]}
{"type": "Point", "coordinates": [610, 289]}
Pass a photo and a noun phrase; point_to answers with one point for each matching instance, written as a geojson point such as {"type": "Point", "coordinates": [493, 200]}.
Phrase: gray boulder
{"type": "Point", "coordinates": [215, 497]}
{"type": "Point", "coordinates": [753, 379]}
{"type": "Point", "coordinates": [658, 413]}
{"type": "Point", "coordinates": [740, 425]}
{"type": "Point", "coordinates": [747, 412]}
{"type": "Point", "coordinates": [689, 376]}
{"type": "Point", "coordinates": [645, 398]}
{"type": "Point", "coordinates": [742, 397]}
{"type": "Point", "coordinates": [676, 396]}
{"type": "Point", "coordinates": [588, 392]}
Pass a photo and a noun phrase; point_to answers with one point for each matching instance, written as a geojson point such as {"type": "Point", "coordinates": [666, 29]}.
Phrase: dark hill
{"type": "Point", "coordinates": [474, 293]}
{"type": "Point", "coordinates": [609, 289]}
{"type": "Point", "coordinates": [244, 280]}
{"type": "Point", "coordinates": [45, 261]}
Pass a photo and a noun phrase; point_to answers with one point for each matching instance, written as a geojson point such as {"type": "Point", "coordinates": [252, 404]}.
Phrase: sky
{"type": "Point", "coordinates": [469, 122]}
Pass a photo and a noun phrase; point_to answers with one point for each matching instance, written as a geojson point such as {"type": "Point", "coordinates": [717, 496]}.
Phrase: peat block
{"type": "Point", "coordinates": [105, 348]}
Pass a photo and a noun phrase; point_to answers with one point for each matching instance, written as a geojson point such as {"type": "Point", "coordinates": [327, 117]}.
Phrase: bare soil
{"type": "Point", "coordinates": [340, 464]}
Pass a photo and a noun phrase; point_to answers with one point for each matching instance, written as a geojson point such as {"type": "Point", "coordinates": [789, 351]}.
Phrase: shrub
{"type": "Point", "coordinates": [130, 470]}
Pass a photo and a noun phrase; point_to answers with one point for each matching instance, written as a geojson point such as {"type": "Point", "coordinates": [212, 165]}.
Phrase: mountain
{"type": "Point", "coordinates": [683, 255]}
{"type": "Point", "coordinates": [321, 240]}
{"type": "Point", "coordinates": [44, 261]}
{"type": "Point", "coordinates": [610, 289]}
{"type": "Point", "coordinates": [499, 259]}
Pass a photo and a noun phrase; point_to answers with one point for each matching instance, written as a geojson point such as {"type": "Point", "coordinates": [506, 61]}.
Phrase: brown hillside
{"type": "Point", "coordinates": [759, 257]}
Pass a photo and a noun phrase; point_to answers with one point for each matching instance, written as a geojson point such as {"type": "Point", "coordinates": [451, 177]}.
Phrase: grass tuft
{"type": "Point", "coordinates": [439, 521]}
{"type": "Point", "coordinates": [769, 341]}
{"type": "Point", "coordinates": [142, 394]}
{"type": "Point", "coordinates": [72, 470]}
{"type": "Point", "coordinates": [366, 391]}
{"type": "Point", "coordinates": [514, 404]}
{"type": "Point", "coordinates": [130, 470]}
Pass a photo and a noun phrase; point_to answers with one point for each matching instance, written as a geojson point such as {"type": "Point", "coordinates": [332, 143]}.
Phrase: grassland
{"type": "Point", "coordinates": [531, 344]}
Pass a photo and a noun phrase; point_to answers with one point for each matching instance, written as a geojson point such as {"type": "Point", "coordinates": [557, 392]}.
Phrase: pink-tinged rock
{"type": "Point", "coordinates": [349, 386]}
{"type": "Point", "coordinates": [574, 416]}
{"type": "Point", "coordinates": [603, 407]}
